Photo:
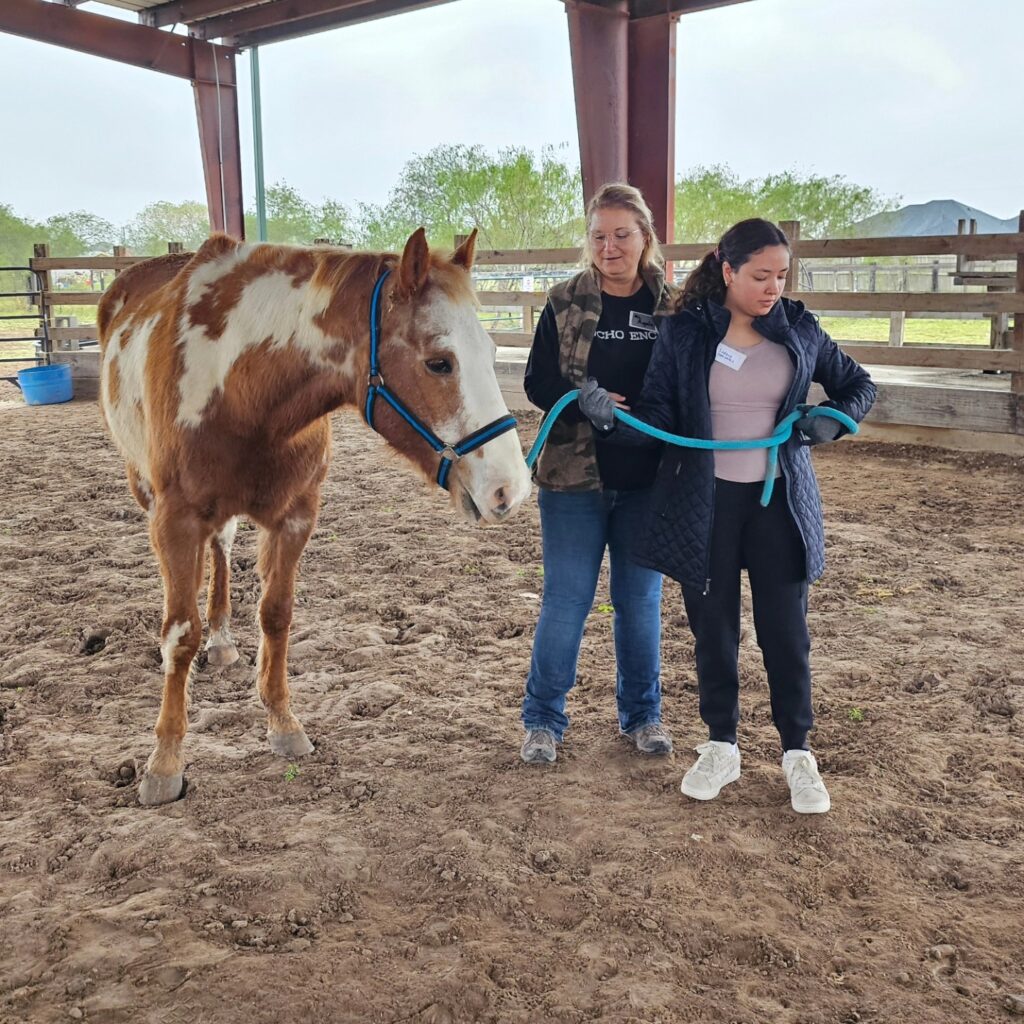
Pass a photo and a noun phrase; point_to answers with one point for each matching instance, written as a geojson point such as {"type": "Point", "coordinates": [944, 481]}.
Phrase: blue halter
{"type": "Point", "coordinates": [450, 453]}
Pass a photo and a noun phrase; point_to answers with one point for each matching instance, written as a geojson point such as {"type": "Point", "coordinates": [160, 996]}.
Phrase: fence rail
{"type": "Point", "coordinates": [1002, 301]}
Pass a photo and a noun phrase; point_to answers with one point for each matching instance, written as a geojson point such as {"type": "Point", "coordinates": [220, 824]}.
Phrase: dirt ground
{"type": "Point", "coordinates": [412, 869]}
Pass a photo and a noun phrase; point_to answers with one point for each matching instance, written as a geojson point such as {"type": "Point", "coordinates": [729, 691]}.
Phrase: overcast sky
{"type": "Point", "coordinates": [920, 99]}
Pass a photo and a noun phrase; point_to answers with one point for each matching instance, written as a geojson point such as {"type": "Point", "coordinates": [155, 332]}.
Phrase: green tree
{"type": "Point", "coordinates": [293, 220]}
{"type": "Point", "coordinates": [68, 234]}
{"type": "Point", "coordinates": [515, 199]}
{"type": "Point", "coordinates": [335, 222]}
{"type": "Point", "coordinates": [710, 199]}
{"type": "Point", "coordinates": [79, 232]}
{"type": "Point", "coordinates": [290, 218]}
{"type": "Point", "coordinates": [17, 236]}
{"type": "Point", "coordinates": [163, 222]}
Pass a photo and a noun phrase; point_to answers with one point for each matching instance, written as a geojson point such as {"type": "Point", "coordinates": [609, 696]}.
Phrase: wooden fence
{"type": "Point", "coordinates": [996, 409]}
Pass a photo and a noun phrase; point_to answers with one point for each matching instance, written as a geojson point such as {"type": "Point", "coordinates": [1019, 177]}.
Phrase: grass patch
{"type": "Point", "coordinates": [935, 332]}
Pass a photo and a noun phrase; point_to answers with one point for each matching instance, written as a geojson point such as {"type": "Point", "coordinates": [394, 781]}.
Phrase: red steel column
{"type": "Point", "coordinates": [652, 116]}
{"type": "Point", "coordinates": [216, 93]}
{"type": "Point", "coordinates": [624, 78]}
{"type": "Point", "coordinates": [599, 47]}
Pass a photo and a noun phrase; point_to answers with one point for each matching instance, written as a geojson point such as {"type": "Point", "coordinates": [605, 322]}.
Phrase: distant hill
{"type": "Point", "coordinates": [938, 217]}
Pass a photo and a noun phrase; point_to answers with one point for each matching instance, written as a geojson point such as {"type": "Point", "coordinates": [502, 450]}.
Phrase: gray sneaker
{"type": "Point", "coordinates": [539, 747]}
{"type": "Point", "coordinates": [652, 739]}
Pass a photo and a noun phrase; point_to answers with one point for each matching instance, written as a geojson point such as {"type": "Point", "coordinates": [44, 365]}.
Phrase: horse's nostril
{"type": "Point", "coordinates": [499, 496]}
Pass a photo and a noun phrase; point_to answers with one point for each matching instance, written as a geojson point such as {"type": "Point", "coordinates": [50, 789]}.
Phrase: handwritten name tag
{"type": "Point", "coordinates": [729, 356]}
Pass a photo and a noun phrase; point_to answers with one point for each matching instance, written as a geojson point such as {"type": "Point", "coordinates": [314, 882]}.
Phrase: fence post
{"type": "Point", "coordinates": [792, 230]}
{"type": "Point", "coordinates": [40, 251]}
{"type": "Point", "coordinates": [897, 321]}
{"type": "Point", "coordinates": [528, 325]}
{"type": "Point", "coordinates": [175, 247]}
{"type": "Point", "coordinates": [119, 250]}
{"type": "Point", "coordinates": [1017, 378]}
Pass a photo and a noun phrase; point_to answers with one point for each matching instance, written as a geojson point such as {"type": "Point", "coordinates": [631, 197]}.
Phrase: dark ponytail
{"type": "Point", "coordinates": [735, 247]}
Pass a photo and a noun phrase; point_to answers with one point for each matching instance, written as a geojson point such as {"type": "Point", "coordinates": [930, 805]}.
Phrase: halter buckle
{"type": "Point", "coordinates": [449, 453]}
{"type": "Point", "coordinates": [375, 380]}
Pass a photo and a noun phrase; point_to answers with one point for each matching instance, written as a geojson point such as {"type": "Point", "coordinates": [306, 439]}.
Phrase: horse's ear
{"type": "Point", "coordinates": [412, 271]}
{"type": "Point", "coordinates": [463, 256]}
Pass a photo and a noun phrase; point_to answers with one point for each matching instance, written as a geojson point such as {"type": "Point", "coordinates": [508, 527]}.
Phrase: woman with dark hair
{"type": "Point", "coordinates": [592, 496]}
{"type": "Point", "coordinates": [734, 360]}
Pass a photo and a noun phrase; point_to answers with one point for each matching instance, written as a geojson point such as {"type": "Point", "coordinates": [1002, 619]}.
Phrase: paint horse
{"type": "Point", "coordinates": [219, 370]}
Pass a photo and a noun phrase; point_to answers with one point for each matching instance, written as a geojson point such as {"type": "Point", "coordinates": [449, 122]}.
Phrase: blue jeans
{"type": "Point", "coordinates": [576, 527]}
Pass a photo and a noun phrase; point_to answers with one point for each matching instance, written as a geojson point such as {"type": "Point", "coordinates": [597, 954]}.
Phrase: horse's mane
{"type": "Point", "coordinates": [359, 271]}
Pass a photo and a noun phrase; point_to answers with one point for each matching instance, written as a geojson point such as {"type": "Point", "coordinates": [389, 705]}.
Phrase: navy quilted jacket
{"type": "Point", "coordinates": [676, 539]}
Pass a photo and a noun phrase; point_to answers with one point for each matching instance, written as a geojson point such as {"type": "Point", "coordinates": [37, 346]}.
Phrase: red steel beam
{"type": "Point", "coordinates": [98, 35]}
{"type": "Point", "coordinates": [652, 117]}
{"type": "Point", "coordinates": [333, 13]}
{"type": "Point", "coordinates": [366, 10]}
{"type": "Point", "coordinates": [216, 96]}
{"type": "Point", "coordinates": [210, 68]}
{"type": "Point", "coordinates": [599, 48]}
{"type": "Point", "coordinates": [651, 8]}
{"type": "Point", "coordinates": [185, 12]}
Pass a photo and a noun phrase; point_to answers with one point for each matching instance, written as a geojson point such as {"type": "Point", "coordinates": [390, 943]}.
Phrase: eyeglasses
{"type": "Point", "coordinates": [599, 240]}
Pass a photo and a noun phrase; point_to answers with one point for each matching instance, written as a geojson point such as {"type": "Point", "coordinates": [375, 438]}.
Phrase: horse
{"type": "Point", "coordinates": [219, 371]}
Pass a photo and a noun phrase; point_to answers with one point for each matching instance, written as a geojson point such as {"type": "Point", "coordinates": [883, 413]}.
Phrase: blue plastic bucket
{"type": "Point", "coordinates": [46, 385]}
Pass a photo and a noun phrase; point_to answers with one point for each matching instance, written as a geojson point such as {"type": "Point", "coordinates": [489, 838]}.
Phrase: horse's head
{"type": "Point", "coordinates": [437, 359]}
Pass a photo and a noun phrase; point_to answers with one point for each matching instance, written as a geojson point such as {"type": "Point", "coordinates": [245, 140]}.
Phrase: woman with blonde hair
{"type": "Point", "coordinates": [592, 496]}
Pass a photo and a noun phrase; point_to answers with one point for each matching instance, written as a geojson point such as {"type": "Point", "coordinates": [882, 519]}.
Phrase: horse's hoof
{"type": "Point", "coordinates": [159, 789]}
{"type": "Point", "coordinates": [221, 655]}
{"type": "Point", "coordinates": [290, 744]}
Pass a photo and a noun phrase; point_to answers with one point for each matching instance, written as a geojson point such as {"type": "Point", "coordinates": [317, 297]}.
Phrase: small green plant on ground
{"type": "Point", "coordinates": [605, 609]}
{"type": "Point", "coordinates": [291, 773]}
{"type": "Point", "coordinates": [855, 715]}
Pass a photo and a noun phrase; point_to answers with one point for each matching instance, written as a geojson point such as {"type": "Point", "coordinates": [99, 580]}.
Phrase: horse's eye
{"type": "Point", "coordinates": [439, 366]}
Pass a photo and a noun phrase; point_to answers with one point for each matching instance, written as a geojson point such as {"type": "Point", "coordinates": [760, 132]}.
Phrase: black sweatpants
{"type": "Point", "coordinates": [766, 542]}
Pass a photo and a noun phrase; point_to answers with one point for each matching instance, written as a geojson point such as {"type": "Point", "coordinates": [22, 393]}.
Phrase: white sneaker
{"type": "Point", "coordinates": [717, 766]}
{"type": "Point", "coordinates": [808, 794]}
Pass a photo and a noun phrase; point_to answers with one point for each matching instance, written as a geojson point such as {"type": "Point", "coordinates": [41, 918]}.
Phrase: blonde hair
{"type": "Point", "coordinates": [618, 195]}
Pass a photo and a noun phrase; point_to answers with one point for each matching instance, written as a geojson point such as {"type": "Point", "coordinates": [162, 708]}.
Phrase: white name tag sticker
{"type": "Point", "coordinates": [729, 356]}
{"type": "Point", "coordinates": [642, 320]}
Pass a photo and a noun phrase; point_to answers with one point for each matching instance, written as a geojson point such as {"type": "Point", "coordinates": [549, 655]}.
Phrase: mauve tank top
{"type": "Point", "coordinates": [744, 404]}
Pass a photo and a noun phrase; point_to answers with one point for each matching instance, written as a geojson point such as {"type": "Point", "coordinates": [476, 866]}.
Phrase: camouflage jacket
{"type": "Point", "coordinates": [568, 461]}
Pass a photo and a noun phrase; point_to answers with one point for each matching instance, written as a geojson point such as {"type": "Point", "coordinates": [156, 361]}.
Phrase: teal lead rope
{"type": "Point", "coordinates": [780, 436]}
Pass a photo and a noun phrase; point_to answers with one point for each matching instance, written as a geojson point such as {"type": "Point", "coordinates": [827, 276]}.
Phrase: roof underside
{"type": "Point", "coordinates": [244, 23]}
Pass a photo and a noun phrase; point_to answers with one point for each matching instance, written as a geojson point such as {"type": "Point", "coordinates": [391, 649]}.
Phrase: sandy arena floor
{"type": "Point", "coordinates": [412, 869]}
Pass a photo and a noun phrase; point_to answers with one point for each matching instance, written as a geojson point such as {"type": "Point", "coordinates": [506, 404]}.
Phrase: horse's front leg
{"type": "Point", "coordinates": [220, 648]}
{"type": "Point", "coordinates": [279, 553]}
{"type": "Point", "coordinates": [178, 540]}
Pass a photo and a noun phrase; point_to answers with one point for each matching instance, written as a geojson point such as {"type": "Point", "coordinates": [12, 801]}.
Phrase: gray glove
{"type": "Point", "coordinates": [597, 405]}
{"type": "Point", "coordinates": [812, 430]}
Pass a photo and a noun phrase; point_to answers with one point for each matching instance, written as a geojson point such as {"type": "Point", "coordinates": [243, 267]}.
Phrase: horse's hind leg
{"type": "Point", "coordinates": [279, 553]}
{"type": "Point", "coordinates": [178, 541]}
{"type": "Point", "coordinates": [140, 489]}
{"type": "Point", "coordinates": [220, 648]}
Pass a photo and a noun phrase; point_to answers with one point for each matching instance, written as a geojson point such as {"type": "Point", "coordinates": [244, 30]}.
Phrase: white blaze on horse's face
{"type": "Point", "coordinates": [492, 481]}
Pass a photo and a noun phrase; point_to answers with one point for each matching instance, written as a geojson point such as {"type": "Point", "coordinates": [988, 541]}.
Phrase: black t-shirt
{"type": "Point", "coordinates": [619, 354]}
